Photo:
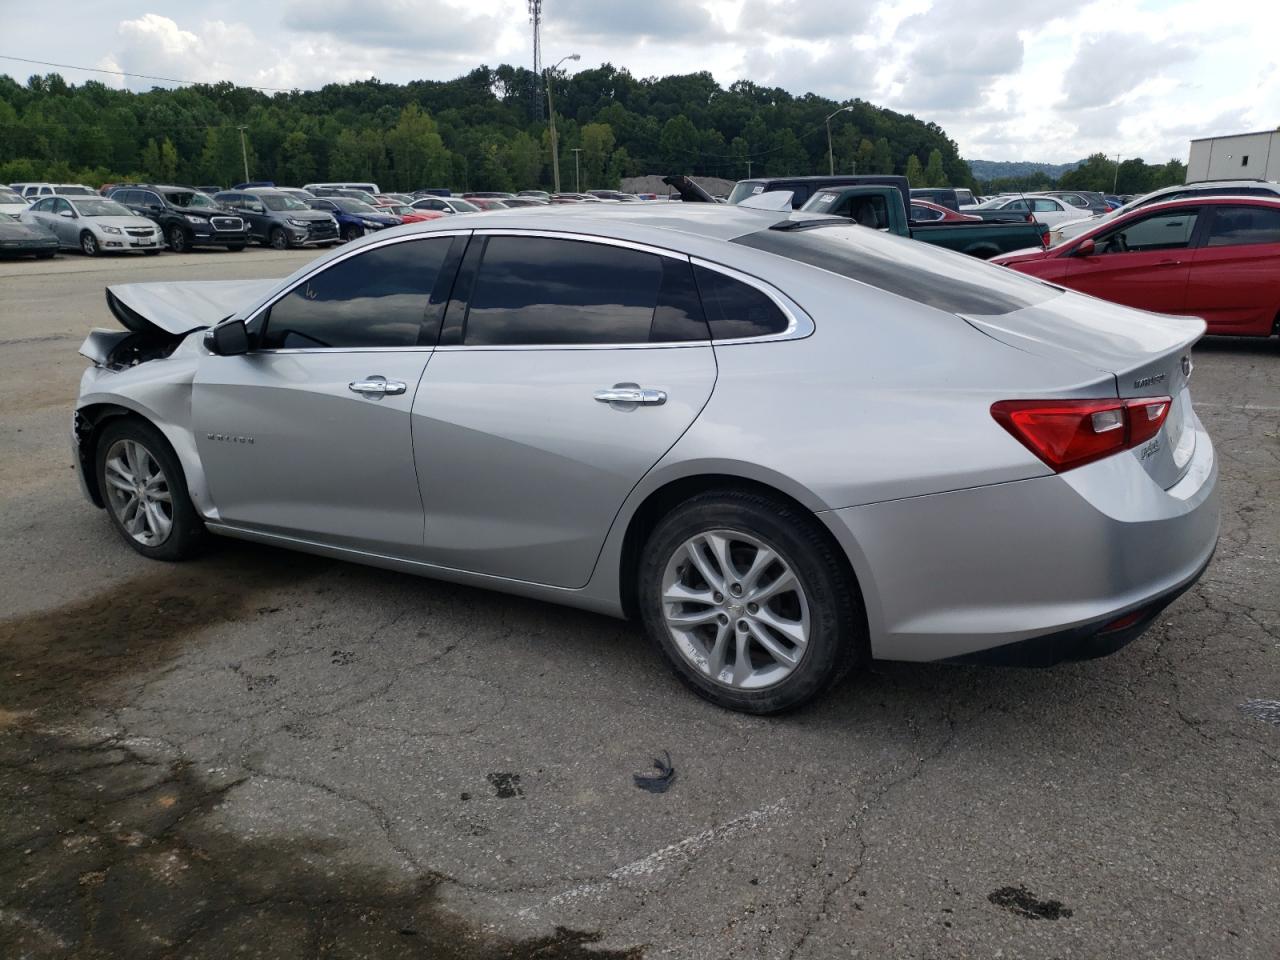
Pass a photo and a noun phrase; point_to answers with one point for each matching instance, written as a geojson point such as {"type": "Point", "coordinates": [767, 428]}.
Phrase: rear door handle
{"type": "Point", "coordinates": [1169, 263]}
{"type": "Point", "coordinates": [377, 386]}
{"type": "Point", "coordinates": [631, 393]}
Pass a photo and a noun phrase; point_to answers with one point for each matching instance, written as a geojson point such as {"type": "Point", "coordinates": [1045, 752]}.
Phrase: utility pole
{"type": "Point", "coordinates": [831, 160]}
{"type": "Point", "coordinates": [244, 154]}
{"type": "Point", "coordinates": [551, 112]}
{"type": "Point", "coordinates": [1116, 181]}
{"type": "Point", "coordinates": [577, 181]}
{"type": "Point", "coordinates": [748, 169]}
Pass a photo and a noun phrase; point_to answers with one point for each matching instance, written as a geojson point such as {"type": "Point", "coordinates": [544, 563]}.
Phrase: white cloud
{"type": "Point", "coordinates": [1033, 80]}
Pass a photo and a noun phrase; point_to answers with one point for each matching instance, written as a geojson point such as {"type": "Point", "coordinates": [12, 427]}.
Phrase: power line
{"type": "Point", "coordinates": [140, 76]}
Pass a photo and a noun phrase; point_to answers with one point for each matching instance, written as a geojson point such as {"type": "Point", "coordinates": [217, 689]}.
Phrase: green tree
{"type": "Point", "coordinates": [524, 159]}
{"type": "Point", "coordinates": [866, 156]}
{"type": "Point", "coordinates": [934, 174]}
{"type": "Point", "coordinates": [416, 150]}
{"type": "Point", "coordinates": [678, 144]}
{"type": "Point", "coordinates": [297, 161]}
{"type": "Point", "coordinates": [915, 172]}
{"type": "Point", "coordinates": [882, 157]}
{"type": "Point", "coordinates": [597, 149]}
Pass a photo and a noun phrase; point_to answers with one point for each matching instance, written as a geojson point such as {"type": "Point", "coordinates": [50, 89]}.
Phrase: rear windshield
{"type": "Point", "coordinates": [917, 271]}
{"type": "Point", "coordinates": [65, 191]}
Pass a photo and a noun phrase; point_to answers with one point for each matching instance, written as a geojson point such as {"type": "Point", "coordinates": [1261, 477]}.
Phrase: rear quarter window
{"type": "Point", "coordinates": [916, 271]}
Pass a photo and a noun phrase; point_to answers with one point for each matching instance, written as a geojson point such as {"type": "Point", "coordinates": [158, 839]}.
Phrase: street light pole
{"type": "Point", "coordinates": [831, 160]}
{"type": "Point", "coordinates": [577, 181]}
{"type": "Point", "coordinates": [1116, 182]}
{"type": "Point", "coordinates": [244, 154]}
{"type": "Point", "coordinates": [551, 113]}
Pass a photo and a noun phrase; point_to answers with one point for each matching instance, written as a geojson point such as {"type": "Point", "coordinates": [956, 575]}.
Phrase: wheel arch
{"type": "Point", "coordinates": [96, 412]}
{"type": "Point", "coordinates": [659, 501]}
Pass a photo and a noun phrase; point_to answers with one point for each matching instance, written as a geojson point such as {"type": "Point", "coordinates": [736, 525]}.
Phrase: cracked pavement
{"type": "Point", "coordinates": [267, 754]}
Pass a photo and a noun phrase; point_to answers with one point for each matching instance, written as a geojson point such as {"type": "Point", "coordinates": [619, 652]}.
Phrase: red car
{"type": "Point", "coordinates": [1213, 257]}
{"type": "Point", "coordinates": [924, 211]}
{"type": "Point", "coordinates": [407, 213]}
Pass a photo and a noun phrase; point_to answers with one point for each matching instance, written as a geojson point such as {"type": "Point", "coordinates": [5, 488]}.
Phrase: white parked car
{"type": "Point", "coordinates": [33, 190]}
{"type": "Point", "coordinates": [94, 225]}
{"type": "Point", "coordinates": [1046, 210]}
{"type": "Point", "coordinates": [11, 202]}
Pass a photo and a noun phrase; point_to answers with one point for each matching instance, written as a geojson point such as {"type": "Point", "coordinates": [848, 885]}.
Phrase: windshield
{"type": "Point", "coordinates": [5, 218]}
{"type": "Point", "coordinates": [8, 196]}
{"type": "Point", "coordinates": [352, 206]}
{"type": "Point", "coordinates": [917, 271]}
{"type": "Point", "coordinates": [100, 208]}
{"type": "Point", "coordinates": [463, 206]}
{"type": "Point", "coordinates": [400, 209]}
{"type": "Point", "coordinates": [190, 199]}
{"type": "Point", "coordinates": [744, 189]}
{"type": "Point", "coordinates": [281, 201]}
{"type": "Point", "coordinates": [74, 192]}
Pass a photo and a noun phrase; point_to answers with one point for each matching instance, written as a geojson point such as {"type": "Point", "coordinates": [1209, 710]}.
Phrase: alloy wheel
{"type": "Point", "coordinates": [177, 240]}
{"type": "Point", "coordinates": [279, 240]}
{"type": "Point", "coordinates": [138, 492]}
{"type": "Point", "coordinates": [735, 609]}
{"type": "Point", "coordinates": [89, 244]}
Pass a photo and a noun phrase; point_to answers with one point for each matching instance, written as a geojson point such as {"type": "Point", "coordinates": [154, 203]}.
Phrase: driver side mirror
{"type": "Point", "coordinates": [228, 339]}
{"type": "Point", "coordinates": [1086, 249]}
{"type": "Point", "coordinates": [255, 207]}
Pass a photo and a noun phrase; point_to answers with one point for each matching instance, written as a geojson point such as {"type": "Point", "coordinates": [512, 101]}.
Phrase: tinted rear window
{"type": "Point", "coordinates": [1242, 226]}
{"type": "Point", "coordinates": [917, 271]}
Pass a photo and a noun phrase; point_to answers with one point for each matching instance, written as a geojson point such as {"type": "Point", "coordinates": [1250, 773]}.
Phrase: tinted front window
{"type": "Point", "coordinates": [1244, 225]}
{"type": "Point", "coordinates": [537, 290]}
{"type": "Point", "coordinates": [909, 269]}
{"type": "Point", "coordinates": [374, 299]}
{"type": "Point", "coordinates": [76, 192]}
{"type": "Point", "coordinates": [736, 309]}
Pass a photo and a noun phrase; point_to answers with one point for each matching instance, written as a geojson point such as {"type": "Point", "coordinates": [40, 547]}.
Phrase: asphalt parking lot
{"type": "Point", "coordinates": [266, 754]}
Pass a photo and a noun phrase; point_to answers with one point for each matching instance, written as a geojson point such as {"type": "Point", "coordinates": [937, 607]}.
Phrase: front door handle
{"type": "Point", "coordinates": [631, 393]}
{"type": "Point", "coordinates": [377, 386]}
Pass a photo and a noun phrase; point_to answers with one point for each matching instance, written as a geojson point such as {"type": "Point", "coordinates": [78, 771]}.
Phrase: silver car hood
{"type": "Point", "coordinates": [178, 308]}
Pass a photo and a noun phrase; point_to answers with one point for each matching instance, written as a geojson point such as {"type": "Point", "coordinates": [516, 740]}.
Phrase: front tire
{"type": "Point", "coordinates": [145, 491]}
{"type": "Point", "coordinates": [350, 232]}
{"type": "Point", "coordinates": [179, 242]}
{"type": "Point", "coordinates": [279, 240]}
{"type": "Point", "coordinates": [89, 244]}
{"type": "Point", "coordinates": [749, 601]}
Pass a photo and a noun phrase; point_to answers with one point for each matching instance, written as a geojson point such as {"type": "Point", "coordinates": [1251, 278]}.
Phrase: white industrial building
{"type": "Point", "coordinates": [1241, 156]}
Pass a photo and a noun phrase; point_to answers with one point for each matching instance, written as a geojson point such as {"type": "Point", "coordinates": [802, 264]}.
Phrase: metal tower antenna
{"type": "Point", "coordinates": [535, 17]}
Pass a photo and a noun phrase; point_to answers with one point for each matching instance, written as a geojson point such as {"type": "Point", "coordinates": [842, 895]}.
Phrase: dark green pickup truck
{"type": "Point", "coordinates": [881, 208]}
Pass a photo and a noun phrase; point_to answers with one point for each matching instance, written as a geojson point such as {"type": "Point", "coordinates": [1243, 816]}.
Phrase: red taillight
{"type": "Point", "coordinates": [1070, 433]}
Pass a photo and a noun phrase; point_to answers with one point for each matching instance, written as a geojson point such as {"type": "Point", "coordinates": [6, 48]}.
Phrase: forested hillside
{"type": "Point", "coordinates": [477, 132]}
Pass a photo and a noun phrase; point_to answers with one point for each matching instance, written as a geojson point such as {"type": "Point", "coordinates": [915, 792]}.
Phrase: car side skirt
{"type": "Point", "coordinates": [537, 591]}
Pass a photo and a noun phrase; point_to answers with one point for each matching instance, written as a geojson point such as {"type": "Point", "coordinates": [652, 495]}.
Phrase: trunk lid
{"type": "Point", "coordinates": [1148, 354]}
{"type": "Point", "coordinates": [178, 308]}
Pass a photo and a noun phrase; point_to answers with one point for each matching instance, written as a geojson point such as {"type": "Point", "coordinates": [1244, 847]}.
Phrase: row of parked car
{"type": "Point", "coordinates": [41, 218]}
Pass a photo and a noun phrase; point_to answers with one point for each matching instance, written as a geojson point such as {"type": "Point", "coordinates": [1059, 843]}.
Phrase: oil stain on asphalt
{"type": "Point", "coordinates": [100, 847]}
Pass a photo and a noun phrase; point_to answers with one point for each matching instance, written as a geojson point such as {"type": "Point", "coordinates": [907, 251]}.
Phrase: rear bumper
{"type": "Point", "coordinates": [1088, 642]}
{"type": "Point", "coordinates": [1037, 566]}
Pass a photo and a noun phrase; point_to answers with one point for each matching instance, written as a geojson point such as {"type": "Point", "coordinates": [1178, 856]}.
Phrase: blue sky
{"type": "Point", "coordinates": [1049, 80]}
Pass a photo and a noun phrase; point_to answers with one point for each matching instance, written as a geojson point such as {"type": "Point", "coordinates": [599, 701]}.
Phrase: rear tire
{"type": "Point", "coordinates": [151, 253]}
{"type": "Point", "coordinates": [236, 248]}
{"type": "Point", "coordinates": [756, 657]}
{"type": "Point", "coordinates": [145, 491]}
{"type": "Point", "coordinates": [46, 255]}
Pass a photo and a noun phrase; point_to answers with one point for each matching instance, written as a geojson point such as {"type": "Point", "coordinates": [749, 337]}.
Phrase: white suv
{"type": "Point", "coordinates": [33, 191]}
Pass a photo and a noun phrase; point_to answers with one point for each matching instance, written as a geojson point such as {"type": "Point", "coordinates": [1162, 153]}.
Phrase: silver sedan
{"type": "Point", "coordinates": [94, 225]}
{"type": "Point", "coordinates": [783, 443]}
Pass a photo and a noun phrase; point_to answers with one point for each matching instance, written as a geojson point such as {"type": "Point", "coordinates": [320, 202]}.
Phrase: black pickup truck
{"type": "Point", "coordinates": [881, 208]}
